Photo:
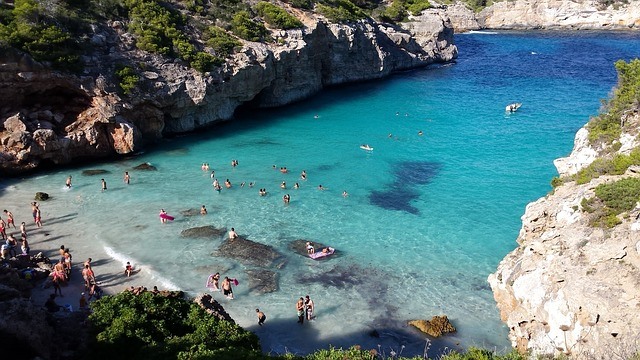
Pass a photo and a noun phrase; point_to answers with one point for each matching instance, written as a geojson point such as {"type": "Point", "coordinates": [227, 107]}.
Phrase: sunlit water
{"type": "Point", "coordinates": [427, 218]}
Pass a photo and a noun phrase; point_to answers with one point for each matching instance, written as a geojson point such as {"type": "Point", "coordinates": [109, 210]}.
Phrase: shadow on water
{"type": "Point", "coordinates": [399, 194]}
{"type": "Point", "coordinates": [384, 336]}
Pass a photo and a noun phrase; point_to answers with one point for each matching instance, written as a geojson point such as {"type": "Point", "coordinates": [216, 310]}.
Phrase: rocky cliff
{"type": "Point", "coordinates": [549, 14]}
{"type": "Point", "coordinates": [49, 117]}
{"type": "Point", "coordinates": [572, 288]}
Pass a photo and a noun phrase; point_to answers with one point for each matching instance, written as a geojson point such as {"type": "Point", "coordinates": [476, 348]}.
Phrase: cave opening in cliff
{"type": "Point", "coordinates": [64, 104]}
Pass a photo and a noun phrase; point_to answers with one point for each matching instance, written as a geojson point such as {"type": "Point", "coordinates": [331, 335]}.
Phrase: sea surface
{"type": "Point", "coordinates": [427, 217]}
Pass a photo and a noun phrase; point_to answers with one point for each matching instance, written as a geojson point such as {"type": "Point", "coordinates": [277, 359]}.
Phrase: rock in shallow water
{"type": "Point", "coordinates": [145, 166]}
{"type": "Point", "coordinates": [206, 231]}
{"type": "Point", "coordinates": [251, 252]}
{"type": "Point", "coordinates": [92, 172]}
{"type": "Point", "coordinates": [435, 327]}
{"type": "Point", "coordinates": [262, 281]}
{"type": "Point", "coordinates": [41, 196]}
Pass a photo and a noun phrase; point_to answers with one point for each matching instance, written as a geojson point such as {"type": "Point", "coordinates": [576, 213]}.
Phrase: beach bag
{"type": "Point", "coordinates": [235, 282]}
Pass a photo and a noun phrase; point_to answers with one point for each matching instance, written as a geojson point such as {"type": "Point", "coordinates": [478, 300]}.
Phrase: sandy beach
{"type": "Point", "coordinates": [56, 231]}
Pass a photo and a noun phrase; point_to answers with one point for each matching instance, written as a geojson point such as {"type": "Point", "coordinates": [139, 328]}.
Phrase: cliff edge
{"type": "Point", "coordinates": [50, 117]}
{"type": "Point", "coordinates": [571, 287]}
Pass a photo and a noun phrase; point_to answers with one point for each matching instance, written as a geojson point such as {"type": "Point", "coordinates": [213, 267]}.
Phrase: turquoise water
{"type": "Point", "coordinates": [427, 218]}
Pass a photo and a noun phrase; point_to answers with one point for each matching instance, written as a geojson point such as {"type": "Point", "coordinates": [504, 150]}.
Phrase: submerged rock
{"type": "Point", "coordinates": [146, 166]}
{"type": "Point", "coordinates": [300, 246]}
{"type": "Point", "coordinates": [93, 172]}
{"type": "Point", "coordinates": [206, 231]}
{"type": "Point", "coordinates": [341, 277]}
{"type": "Point", "coordinates": [41, 196]}
{"type": "Point", "coordinates": [190, 212]}
{"type": "Point", "coordinates": [435, 327]}
{"type": "Point", "coordinates": [262, 281]}
{"type": "Point", "coordinates": [251, 252]}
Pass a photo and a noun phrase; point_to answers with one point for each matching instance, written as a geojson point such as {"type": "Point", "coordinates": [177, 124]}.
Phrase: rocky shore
{"type": "Point", "coordinates": [571, 288]}
{"type": "Point", "coordinates": [50, 117]}
{"type": "Point", "coordinates": [548, 15]}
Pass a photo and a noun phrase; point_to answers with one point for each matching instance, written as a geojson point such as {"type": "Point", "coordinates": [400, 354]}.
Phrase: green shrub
{"type": "Point", "coordinates": [245, 28]}
{"type": "Point", "coordinates": [277, 16]}
{"type": "Point", "coordinates": [301, 4]}
{"type": "Point", "coordinates": [556, 181]}
{"type": "Point", "coordinates": [415, 7]}
{"type": "Point", "coordinates": [616, 165]}
{"type": "Point", "coordinates": [621, 195]}
{"type": "Point", "coordinates": [587, 205]}
{"type": "Point", "coordinates": [220, 41]}
{"type": "Point", "coordinates": [35, 29]}
{"type": "Point", "coordinates": [148, 326]}
{"type": "Point", "coordinates": [128, 79]}
{"type": "Point", "coordinates": [394, 13]}
{"type": "Point", "coordinates": [341, 11]}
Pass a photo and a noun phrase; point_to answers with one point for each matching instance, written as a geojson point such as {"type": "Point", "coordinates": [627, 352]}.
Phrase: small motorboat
{"type": "Point", "coordinates": [366, 147]}
{"type": "Point", "coordinates": [512, 107]}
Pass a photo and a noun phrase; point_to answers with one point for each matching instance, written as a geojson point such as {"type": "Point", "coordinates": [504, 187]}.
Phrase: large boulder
{"type": "Point", "coordinates": [262, 281]}
{"type": "Point", "coordinates": [435, 327]}
{"type": "Point", "coordinates": [41, 196]}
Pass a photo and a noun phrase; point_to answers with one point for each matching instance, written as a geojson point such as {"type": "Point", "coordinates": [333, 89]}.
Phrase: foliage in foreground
{"type": "Point", "coordinates": [277, 16]}
{"type": "Point", "coordinates": [607, 126]}
{"type": "Point", "coordinates": [150, 326]}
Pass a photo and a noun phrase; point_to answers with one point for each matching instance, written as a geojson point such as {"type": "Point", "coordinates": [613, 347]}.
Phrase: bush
{"type": "Point", "coordinates": [128, 79]}
{"type": "Point", "coordinates": [245, 28]}
{"type": "Point", "coordinates": [340, 11]}
{"type": "Point", "coordinates": [616, 165]}
{"type": "Point", "coordinates": [301, 4]}
{"type": "Point", "coordinates": [277, 16]}
{"type": "Point", "coordinates": [150, 326]}
{"type": "Point", "coordinates": [220, 41]}
{"type": "Point", "coordinates": [621, 195]}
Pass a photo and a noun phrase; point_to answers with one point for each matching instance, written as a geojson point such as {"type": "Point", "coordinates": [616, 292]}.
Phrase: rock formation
{"type": "Point", "coordinates": [570, 287]}
{"type": "Point", "coordinates": [548, 14]}
{"type": "Point", "coordinates": [435, 327]}
{"type": "Point", "coordinates": [49, 117]}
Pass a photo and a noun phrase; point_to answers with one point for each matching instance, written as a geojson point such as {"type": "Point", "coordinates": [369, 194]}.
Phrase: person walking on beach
{"type": "Point", "coordinates": [127, 178]}
{"type": "Point", "coordinates": [34, 208]}
{"type": "Point", "coordinates": [68, 183]}
{"type": "Point", "coordinates": [10, 220]}
{"type": "Point", "coordinates": [38, 217]}
{"type": "Point", "coordinates": [88, 275]}
{"type": "Point", "coordinates": [309, 306]}
{"type": "Point", "coordinates": [3, 231]}
{"type": "Point", "coordinates": [300, 310]}
{"type": "Point", "coordinates": [104, 184]}
{"type": "Point", "coordinates": [23, 230]}
{"type": "Point", "coordinates": [261, 317]}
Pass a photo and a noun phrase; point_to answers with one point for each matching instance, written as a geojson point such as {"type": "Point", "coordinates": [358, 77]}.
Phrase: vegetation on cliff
{"type": "Point", "coordinates": [606, 128]}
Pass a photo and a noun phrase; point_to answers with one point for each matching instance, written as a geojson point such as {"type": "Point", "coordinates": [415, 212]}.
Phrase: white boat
{"type": "Point", "coordinates": [512, 107]}
{"type": "Point", "coordinates": [366, 147]}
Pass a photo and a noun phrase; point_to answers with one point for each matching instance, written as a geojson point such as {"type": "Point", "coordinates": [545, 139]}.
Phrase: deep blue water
{"type": "Point", "coordinates": [427, 219]}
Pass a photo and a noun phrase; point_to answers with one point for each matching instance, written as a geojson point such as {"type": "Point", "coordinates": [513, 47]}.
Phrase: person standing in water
{"type": "Point", "coordinates": [233, 234]}
{"type": "Point", "coordinates": [104, 184]}
{"type": "Point", "coordinates": [127, 178]}
{"type": "Point", "coordinates": [300, 310]}
{"type": "Point", "coordinates": [68, 183]}
{"type": "Point", "coordinates": [309, 306]}
{"type": "Point", "coordinates": [261, 317]}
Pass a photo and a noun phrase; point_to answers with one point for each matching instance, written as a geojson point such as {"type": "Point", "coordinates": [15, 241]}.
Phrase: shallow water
{"type": "Point", "coordinates": [427, 217]}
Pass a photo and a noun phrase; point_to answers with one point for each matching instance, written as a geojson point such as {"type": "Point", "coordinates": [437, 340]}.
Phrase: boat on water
{"type": "Point", "coordinates": [366, 147]}
{"type": "Point", "coordinates": [513, 107]}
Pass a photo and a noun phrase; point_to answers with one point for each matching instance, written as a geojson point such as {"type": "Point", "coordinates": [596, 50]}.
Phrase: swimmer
{"type": "Point", "coordinates": [316, 116]}
{"type": "Point", "coordinates": [420, 133]}
{"type": "Point", "coordinates": [127, 178]}
{"type": "Point", "coordinates": [286, 198]}
{"type": "Point", "coordinates": [68, 183]}
{"type": "Point", "coordinates": [242, 184]}
{"type": "Point", "coordinates": [283, 185]}
{"type": "Point", "coordinates": [263, 192]}
{"type": "Point", "coordinates": [303, 175]}
{"type": "Point", "coordinates": [251, 184]}
{"type": "Point", "coordinates": [227, 184]}
{"type": "Point", "coordinates": [284, 170]}
{"type": "Point", "coordinates": [345, 194]}
{"type": "Point", "coordinates": [320, 187]}
{"type": "Point", "coordinates": [162, 219]}
{"type": "Point", "coordinates": [213, 174]}
{"type": "Point", "coordinates": [203, 210]}
{"type": "Point", "coordinates": [206, 166]}
{"type": "Point", "coordinates": [104, 184]}
{"type": "Point", "coordinates": [296, 186]}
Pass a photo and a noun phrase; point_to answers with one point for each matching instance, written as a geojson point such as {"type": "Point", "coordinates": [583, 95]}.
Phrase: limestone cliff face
{"type": "Point", "coordinates": [48, 117]}
{"type": "Point", "coordinates": [548, 14]}
{"type": "Point", "coordinates": [570, 287]}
